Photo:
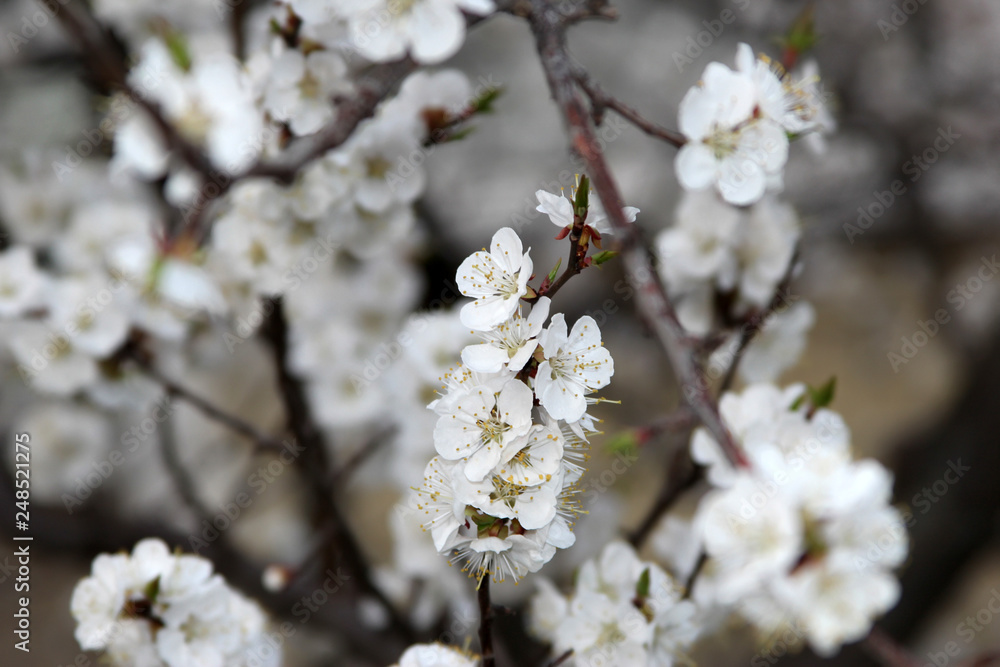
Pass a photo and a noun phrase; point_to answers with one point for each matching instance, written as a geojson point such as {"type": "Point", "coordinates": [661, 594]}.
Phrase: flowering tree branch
{"type": "Point", "coordinates": [549, 27]}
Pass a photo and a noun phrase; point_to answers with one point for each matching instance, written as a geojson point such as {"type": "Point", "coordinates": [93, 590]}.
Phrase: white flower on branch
{"type": "Point", "coordinates": [575, 365]}
{"type": "Point", "coordinates": [496, 280]}
{"type": "Point", "coordinates": [300, 88]}
{"type": "Point", "coordinates": [559, 208]}
{"type": "Point", "coordinates": [623, 611]}
{"type": "Point", "coordinates": [431, 30]}
{"type": "Point", "coordinates": [730, 146]}
{"type": "Point", "coordinates": [791, 539]}
{"type": "Point", "coordinates": [478, 424]}
{"type": "Point", "coordinates": [509, 345]}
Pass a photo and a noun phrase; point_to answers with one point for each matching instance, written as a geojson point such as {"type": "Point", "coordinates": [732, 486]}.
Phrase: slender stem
{"type": "Point", "coordinates": [755, 323]}
{"type": "Point", "coordinates": [887, 650]}
{"type": "Point", "coordinates": [485, 622]}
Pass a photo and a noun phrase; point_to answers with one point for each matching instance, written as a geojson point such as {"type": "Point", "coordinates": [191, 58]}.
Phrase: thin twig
{"type": "Point", "coordinates": [601, 100]}
{"type": "Point", "coordinates": [561, 659]}
{"type": "Point", "coordinates": [178, 474]}
{"type": "Point", "coordinates": [755, 323]}
{"type": "Point", "coordinates": [262, 441]}
{"type": "Point", "coordinates": [887, 650]}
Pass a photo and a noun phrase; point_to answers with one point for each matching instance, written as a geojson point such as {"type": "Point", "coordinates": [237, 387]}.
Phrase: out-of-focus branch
{"type": "Point", "coordinates": [755, 322]}
{"type": "Point", "coordinates": [316, 467]}
{"type": "Point", "coordinates": [682, 474]}
{"type": "Point", "coordinates": [549, 27]}
{"type": "Point", "coordinates": [263, 442]}
{"type": "Point", "coordinates": [561, 659]}
{"type": "Point", "coordinates": [109, 66]}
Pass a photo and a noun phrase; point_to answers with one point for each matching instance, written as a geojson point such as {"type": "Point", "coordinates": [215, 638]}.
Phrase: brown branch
{"type": "Point", "coordinates": [887, 650]}
{"type": "Point", "coordinates": [549, 28]}
{"type": "Point", "coordinates": [601, 100]}
{"type": "Point", "coordinates": [485, 622]}
{"type": "Point", "coordinates": [316, 467]}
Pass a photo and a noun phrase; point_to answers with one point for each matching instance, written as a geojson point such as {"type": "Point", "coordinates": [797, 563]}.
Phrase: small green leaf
{"type": "Point", "coordinates": [178, 47]}
{"type": "Point", "coordinates": [823, 396]}
{"type": "Point", "coordinates": [152, 590]}
{"type": "Point", "coordinates": [642, 587]}
{"type": "Point", "coordinates": [555, 269]}
{"type": "Point", "coordinates": [799, 402]}
{"type": "Point", "coordinates": [484, 103]}
{"type": "Point", "coordinates": [625, 443]}
{"type": "Point", "coordinates": [801, 36]}
{"type": "Point", "coordinates": [458, 135]}
{"type": "Point", "coordinates": [604, 256]}
{"type": "Point", "coordinates": [582, 197]}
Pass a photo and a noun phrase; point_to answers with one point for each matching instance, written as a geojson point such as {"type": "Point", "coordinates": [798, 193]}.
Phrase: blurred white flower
{"type": "Point", "coordinates": [431, 30]}
{"type": "Point", "coordinates": [729, 146]}
{"type": "Point", "coordinates": [20, 282]}
{"type": "Point", "coordinates": [168, 609]}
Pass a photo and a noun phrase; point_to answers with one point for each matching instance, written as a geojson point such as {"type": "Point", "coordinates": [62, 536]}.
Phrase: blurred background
{"type": "Point", "coordinates": [916, 91]}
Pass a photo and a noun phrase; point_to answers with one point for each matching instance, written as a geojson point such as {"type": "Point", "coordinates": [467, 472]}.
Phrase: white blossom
{"type": "Point", "coordinates": [575, 364]}
{"type": "Point", "coordinates": [496, 280]}
{"type": "Point", "coordinates": [729, 146]}
{"type": "Point", "coordinates": [431, 30]}
{"type": "Point", "coordinates": [509, 345]}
